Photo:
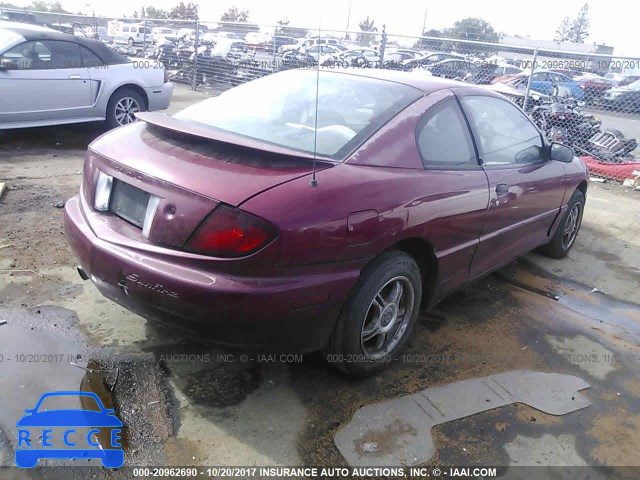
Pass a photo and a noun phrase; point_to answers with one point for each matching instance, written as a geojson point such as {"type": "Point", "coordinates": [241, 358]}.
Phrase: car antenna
{"type": "Point", "coordinates": [314, 182]}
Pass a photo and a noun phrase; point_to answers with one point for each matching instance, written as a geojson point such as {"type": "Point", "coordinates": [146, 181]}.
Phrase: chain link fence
{"type": "Point", "coordinates": [585, 96]}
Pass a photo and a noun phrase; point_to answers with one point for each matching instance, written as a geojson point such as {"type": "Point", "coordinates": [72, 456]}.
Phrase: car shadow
{"type": "Point", "coordinates": [75, 136]}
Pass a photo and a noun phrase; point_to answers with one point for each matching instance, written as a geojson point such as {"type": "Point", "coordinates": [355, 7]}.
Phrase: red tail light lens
{"type": "Point", "coordinates": [230, 232]}
{"type": "Point", "coordinates": [166, 76]}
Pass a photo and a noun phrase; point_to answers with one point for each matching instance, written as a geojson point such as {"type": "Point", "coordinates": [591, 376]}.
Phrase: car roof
{"type": "Point", "coordinates": [36, 32]}
{"type": "Point", "coordinates": [427, 84]}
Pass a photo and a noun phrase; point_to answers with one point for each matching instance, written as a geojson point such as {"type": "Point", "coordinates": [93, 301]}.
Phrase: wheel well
{"type": "Point", "coordinates": [583, 187]}
{"type": "Point", "coordinates": [136, 88]}
{"type": "Point", "coordinates": [423, 253]}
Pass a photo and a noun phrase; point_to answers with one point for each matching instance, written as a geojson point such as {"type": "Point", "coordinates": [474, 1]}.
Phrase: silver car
{"type": "Point", "coordinates": [48, 77]}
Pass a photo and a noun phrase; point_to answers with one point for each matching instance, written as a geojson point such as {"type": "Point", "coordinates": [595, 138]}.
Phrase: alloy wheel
{"type": "Point", "coordinates": [387, 317]}
{"type": "Point", "coordinates": [125, 109]}
{"type": "Point", "coordinates": [571, 226]}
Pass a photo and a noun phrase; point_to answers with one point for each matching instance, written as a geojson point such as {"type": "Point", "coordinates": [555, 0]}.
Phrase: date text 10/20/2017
{"type": "Point", "coordinates": [316, 472]}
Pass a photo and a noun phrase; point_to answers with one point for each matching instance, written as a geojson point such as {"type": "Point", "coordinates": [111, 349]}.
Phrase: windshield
{"type": "Point", "coordinates": [281, 109]}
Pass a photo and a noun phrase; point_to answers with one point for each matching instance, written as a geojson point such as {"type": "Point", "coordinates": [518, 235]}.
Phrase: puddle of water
{"type": "Point", "coordinates": [95, 381]}
{"type": "Point", "coordinates": [593, 308]}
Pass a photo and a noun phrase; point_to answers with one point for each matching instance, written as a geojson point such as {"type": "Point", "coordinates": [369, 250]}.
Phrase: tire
{"type": "Point", "coordinates": [125, 101]}
{"type": "Point", "coordinates": [563, 240]}
{"type": "Point", "coordinates": [370, 311]}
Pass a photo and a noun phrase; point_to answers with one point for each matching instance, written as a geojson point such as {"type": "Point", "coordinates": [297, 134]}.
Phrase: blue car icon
{"type": "Point", "coordinates": [36, 424]}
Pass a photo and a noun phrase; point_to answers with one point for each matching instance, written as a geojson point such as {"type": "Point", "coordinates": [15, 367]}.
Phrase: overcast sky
{"type": "Point", "coordinates": [613, 22]}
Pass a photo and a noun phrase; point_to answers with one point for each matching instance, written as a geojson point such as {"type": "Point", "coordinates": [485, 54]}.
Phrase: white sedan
{"type": "Point", "coordinates": [48, 77]}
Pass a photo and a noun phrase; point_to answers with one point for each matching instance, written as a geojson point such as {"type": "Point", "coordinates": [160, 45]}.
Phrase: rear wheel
{"type": "Point", "coordinates": [122, 107]}
{"type": "Point", "coordinates": [379, 315]}
{"type": "Point", "coordinates": [567, 231]}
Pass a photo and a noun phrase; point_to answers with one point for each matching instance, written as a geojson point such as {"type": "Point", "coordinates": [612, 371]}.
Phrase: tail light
{"type": "Point", "coordinates": [166, 76]}
{"type": "Point", "coordinates": [230, 232]}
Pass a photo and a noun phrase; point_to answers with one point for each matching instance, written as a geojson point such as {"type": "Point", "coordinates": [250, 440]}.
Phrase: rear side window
{"type": "Point", "coordinates": [443, 138]}
{"type": "Point", "coordinates": [504, 135]}
{"type": "Point", "coordinates": [90, 59]}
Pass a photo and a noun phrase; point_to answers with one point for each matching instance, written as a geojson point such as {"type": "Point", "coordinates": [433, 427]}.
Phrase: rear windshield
{"type": "Point", "coordinates": [281, 109]}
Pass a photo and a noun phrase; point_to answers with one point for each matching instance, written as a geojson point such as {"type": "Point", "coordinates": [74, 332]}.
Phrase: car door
{"type": "Point", "coordinates": [45, 82]}
{"type": "Point", "coordinates": [456, 189]}
{"type": "Point", "coordinates": [526, 188]}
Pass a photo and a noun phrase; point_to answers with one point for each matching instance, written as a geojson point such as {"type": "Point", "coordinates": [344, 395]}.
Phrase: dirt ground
{"type": "Point", "coordinates": [184, 402]}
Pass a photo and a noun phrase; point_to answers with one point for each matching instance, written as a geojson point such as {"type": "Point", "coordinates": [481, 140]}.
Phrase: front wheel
{"type": "Point", "coordinates": [567, 231]}
{"type": "Point", "coordinates": [122, 107]}
{"type": "Point", "coordinates": [379, 315]}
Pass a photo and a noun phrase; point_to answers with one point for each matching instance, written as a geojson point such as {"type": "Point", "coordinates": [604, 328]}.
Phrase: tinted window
{"type": "Point", "coordinates": [443, 137]}
{"type": "Point", "coordinates": [90, 59]}
{"type": "Point", "coordinates": [504, 135]}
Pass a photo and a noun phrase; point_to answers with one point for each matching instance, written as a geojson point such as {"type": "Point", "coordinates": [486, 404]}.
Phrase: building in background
{"type": "Point", "coordinates": [558, 55]}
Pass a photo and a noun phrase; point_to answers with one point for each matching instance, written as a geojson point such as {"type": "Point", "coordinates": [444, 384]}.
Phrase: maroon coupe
{"type": "Point", "coordinates": [319, 210]}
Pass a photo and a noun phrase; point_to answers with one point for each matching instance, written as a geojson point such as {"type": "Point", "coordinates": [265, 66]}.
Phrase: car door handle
{"type": "Point", "coordinates": [75, 77]}
{"type": "Point", "coordinates": [502, 189]}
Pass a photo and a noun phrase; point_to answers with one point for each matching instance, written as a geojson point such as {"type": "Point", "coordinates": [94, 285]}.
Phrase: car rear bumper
{"type": "Point", "coordinates": [159, 97]}
{"type": "Point", "coordinates": [293, 312]}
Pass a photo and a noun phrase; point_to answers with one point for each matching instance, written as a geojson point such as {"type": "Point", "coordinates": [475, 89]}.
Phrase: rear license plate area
{"type": "Point", "coordinates": [129, 203]}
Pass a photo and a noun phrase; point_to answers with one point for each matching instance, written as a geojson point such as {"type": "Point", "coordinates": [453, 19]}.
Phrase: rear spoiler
{"type": "Point", "coordinates": [166, 122]}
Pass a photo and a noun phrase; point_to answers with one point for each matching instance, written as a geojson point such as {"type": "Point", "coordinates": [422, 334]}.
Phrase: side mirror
{"type": "Point", "coordinates": [561, 153]}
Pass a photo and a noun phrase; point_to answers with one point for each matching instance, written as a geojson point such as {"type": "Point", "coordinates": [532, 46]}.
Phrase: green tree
{"type": "Point", "coordinates": [184, 12]}
{"type": "Point", "coordinates": [580, 26]}
{"type": "Point", "coordinates": [56, 7]}
{"type": "Point", "coordinates": [153, 12]}
{"type": "Point", "coordinates": [429, 43]}
{"type": "Point", "coordinates": [284, 29]}
{"type": "Point", "coordinates": [43, 6]}
{"type": "Point", "coordinates": [235, 15]}
{"type": "Point", "coordinates": [563, 32]}
{"type": "Point", "coordinates": [366, 25]}
{"type": "Point", "coordinates": [474, 29]}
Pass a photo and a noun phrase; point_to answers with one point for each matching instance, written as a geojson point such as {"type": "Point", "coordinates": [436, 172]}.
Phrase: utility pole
{"type": "Point", "coordinates": [346, 35]}
{"type": "Point", "coordinates": [424, 23]}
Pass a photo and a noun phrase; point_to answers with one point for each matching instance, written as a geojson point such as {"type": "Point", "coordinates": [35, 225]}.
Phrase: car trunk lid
{"type": "Point", "coordinates": [188, 175]}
